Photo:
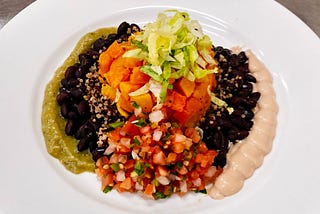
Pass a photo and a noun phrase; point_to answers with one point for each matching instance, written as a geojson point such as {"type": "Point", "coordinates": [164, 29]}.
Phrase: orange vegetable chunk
{"type": "Point", "coordinates": [127, 87]}
{"type": "Point", "coordinates": [150, 189]}
{"type": "Point", "coordinates": [144, 101]}
{"type": "Point", "coordinates": [130, 62]}
{"type": "Point", "coordinates": [115, 50]}
{"type": "Point", "coordinates": [126, 184]}
{"type": "Point", "coordinates": [108, 91]}
{"type": "Point", "coordinates": [185, 86]}
{"type": "Point", "coordinates": [105, 61]}
{"type": "Point", "coordinates": [137, 77]}
{"type": "Point", "coordinates": [125, 104]}
{"type": "Point", "coordinates": [176, 101]}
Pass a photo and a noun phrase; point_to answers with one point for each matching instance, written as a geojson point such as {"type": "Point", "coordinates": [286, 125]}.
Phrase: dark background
{"type": "Point", "coordinates": [307, 10]}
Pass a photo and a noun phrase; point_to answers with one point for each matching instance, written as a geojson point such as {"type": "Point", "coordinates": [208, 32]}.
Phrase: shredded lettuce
{"type": "Point", "coordinates": [173, 47]}
{"type": "Point", "coordinates": [220, 103]}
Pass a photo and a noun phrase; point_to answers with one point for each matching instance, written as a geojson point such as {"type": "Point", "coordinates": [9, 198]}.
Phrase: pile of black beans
{"type": "Point", "coordinates": [81, 123]}
{"type": "Point", "coordinates": [235, 87]}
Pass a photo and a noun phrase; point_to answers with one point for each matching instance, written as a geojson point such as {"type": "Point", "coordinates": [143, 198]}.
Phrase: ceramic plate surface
{"type": "Point", "coordinates": [36, 42]}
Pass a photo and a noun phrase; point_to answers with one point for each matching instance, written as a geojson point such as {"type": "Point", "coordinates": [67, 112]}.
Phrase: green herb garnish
{"type": "Point", "coordinates": [135, 105]}
{"type": "Point", "coordinates": [160, 195]}
{"type": "Point", "coordinates": [115, 167]}
{"type": "Point", "coordinates": [136, 141]}
{"type": "Point", "coordinates": [179, 165]}
{"type": "Point", "coordinates": [107, 189]}
{"type": "Point", "coordinates": [204, 191]}
{"type": "Point", "coordinates": [140, 123]}
{"type": "Point", "coordinates": [139, 168]}
{"type": "Point", "coordinates": [116, 124]}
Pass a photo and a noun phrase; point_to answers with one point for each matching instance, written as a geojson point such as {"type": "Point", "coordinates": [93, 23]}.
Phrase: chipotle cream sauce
{"type": "Point", "coordinates": [247, 155]}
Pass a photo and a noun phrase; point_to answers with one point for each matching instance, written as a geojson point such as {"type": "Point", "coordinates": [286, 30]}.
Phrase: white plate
{"type": "Point", "coordinates": [36, 42]}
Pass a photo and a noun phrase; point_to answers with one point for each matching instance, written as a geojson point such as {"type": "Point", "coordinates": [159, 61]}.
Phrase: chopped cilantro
{"type": "Point", "coordinates": [160, 195]}
{"type": "Point", "coordinates": [139, 168]}
{"type": "Point", "coordinates": [179, 164]}
{"type": "Point", "coordinates": [116, 124]}
{"type": "Point", "coordinates": [167, 136]}
{"type": "Point", "coordinates": [107, 189]}
{"type": "Point", "coordinates": [136, 141]}
{"type": "Point", "coordinates": [115, 167]}
{"type": "Point", "coordinates": [140, 123]}
{"type": "Point", "coordinates": [135, 105]}
{"type": "Point", "coordinates": [204, 191]}
{"type": "Point", "coordinates": [140, 45]}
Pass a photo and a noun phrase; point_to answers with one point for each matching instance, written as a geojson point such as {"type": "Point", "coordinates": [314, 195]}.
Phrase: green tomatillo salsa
{"type": "Point", "coordinates": [58, 144]}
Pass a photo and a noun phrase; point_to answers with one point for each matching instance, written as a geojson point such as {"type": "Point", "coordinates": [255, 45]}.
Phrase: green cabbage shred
{"type": "Point", "coordinates": [171, 47]}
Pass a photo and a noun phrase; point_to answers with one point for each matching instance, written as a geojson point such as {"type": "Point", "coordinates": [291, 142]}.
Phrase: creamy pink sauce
{"type": "Point", "coordinates": [247, 155]}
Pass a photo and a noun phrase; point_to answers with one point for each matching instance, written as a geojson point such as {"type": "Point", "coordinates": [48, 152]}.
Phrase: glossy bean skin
{"type": "Point", "coordinates": [235, 86]}
{"type": "Point", "coordinates": [81, 121]}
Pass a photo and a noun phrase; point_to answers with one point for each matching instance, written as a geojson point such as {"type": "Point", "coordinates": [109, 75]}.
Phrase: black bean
{"type": "Point", "coordinates": [99, 44]}
{"type": "Point", "coordinates": [134, 28]}
{"type": "Point", "coordinates": [220, 159]}
{"type": "Point", "coordinates": [242, 57]}
{"type": "Point", "coordinates": [70, 72]}
{"type": "Point", "coordinates": [85, 132]}
{"type": "Point", "coordinates": [64, 110]}
{"type": "Point", "coordinates": [233, 134]}
{"type": "Point", "coordinates": [65, 83]}
{"type": "Point", "coordinates": [255, 96]}
{"type": "Point", "coordinates": [248, 86]}
{"type": "Point", "coordinates": [73, 115]}
{"type": "Point", "coordinates": [63, 97]}
{"type": "Point", "coordinates": [70, 127]}
{"type": "Point", "coordinates": [224, 122]}
{"type": "Point", "coordinates": [81, 72]}
{"type": "Point", "coordinates": [243, 93]}
{"type": "Point", "coordinates": [238, 121]}
{"type": "Point", "coordinates": [248, 125]}
{"type": "Point", "coordinates": [249, 103]}
{"type": "Point", "coordinates": [73, 82]}
{"type": "Point", "coordinates": [93, 145]}
{"type": "Point", "coordinates": [83, 108]}
{"type": "Point", "coordinates": [248, 114]}
{"type": "Point", "coordinates": [93, 53]}
{"type": "Point", "coordinates": [250, 78]}
{"type": "Point", "coordinates": [234, 60]}
{"type": "Point", "coordinates": [97, 153]}
{"type": "Point", "coordinates": [76, 92]}
{"type": "Point", "coordinates": [123, 38]}
{"type": "Point", "coordinates": [218, 49]}
{"type": "Point", "coordinates": [112, 37]}
{"type": "Point", "coordinates": [243, 68]}
{"type": "Point", "coordinates": [236, 101]}
{"type": "Point", "coordinates": [83, 145]}
{"type": "Point", "coordinates": [123, 28]}
{"type": "Point", "coordinates": [85, 59]}
{"type": "Point", "coordinates": [242, 134]}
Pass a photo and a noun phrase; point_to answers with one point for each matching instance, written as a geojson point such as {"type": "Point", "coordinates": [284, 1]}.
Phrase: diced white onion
{"type": "Point", "coordinates": [137, 111]}
{"type": "Point", "coordinates": [120, 175]}
{"type": "Point", "coordinates": [183, 186]}
{"type": "Point", "coordinates": [211, 171]}
{"type": "Point", "coordinates": [125, 141]}
{"type": "Point", "coordinates": [111, 148]}
{"type": "Point", "coordinates": [134, 155]}
{"type": "Point", "coordinates": [197, 182]}
{"type": "Point", "coordinates": [138, 186]}
{"type": "Point", "coordinates": [122, 158]}
{"type": "Point", "coordinates": [200, 61]}
{"type": "Point", "coordinates": [163, 180]}
{"type": "Point", "coordinates": [143, 90]}
{"type": "Point", "coordinates": [179, 138]}
{"type": "Point", "coordinates": [157, 134]}
{"type": "Point", "coordinates": [156, 116]}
